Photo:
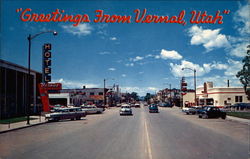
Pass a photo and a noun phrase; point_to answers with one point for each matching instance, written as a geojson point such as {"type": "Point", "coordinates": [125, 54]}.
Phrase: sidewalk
{"type": "Point", "coordinates": [230, 118]}
{"type": "Point", "coordinates": [241, 120]}
{"type": "Point", "coordinates": [19, 125]}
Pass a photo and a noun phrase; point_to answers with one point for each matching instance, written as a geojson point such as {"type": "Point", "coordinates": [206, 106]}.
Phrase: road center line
{"type": "Point", "coordinates": [148, 141]}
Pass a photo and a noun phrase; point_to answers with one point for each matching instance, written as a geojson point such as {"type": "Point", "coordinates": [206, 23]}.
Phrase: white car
{"type": "Point", "coordinates": [189, 110]}
{"type": "Point", "coordinates": [66, 113]}
{"type": "Point", "coordinates": [126, 110]}
{"type": "Point", "coordinates": [91, 109]}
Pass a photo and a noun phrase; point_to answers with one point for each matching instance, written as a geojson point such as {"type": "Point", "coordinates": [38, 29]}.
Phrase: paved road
{"type": "Point", "coordinates": [167, 135]}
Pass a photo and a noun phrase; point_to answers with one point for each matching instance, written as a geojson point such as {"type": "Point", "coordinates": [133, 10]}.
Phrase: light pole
{"type": "Point", "coordinates": [29, 54]}
{"type": "Point", "coordinates": [194, 82]}
{"type": "Point", "coordinates": [170, 92]}
{"type": "Point", "coordinates": [104, 92]}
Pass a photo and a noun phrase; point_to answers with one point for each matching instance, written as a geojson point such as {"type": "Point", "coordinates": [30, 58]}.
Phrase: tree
{"type": "Point", "coordinates": [244, 74]}
{"type": "Point", "coordinates": [134, 96]}
{"type": "Point", "coordinates": [147, 97]}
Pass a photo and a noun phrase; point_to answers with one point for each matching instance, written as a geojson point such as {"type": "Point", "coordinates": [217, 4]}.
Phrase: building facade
{"type": "Point", "coordinates": [220, 96]}
{"type": "Point", "coordinates": [13, 90]}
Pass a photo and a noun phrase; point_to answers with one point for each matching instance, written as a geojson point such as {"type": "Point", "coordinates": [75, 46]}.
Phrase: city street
{"type": "Point", "coordinates": [165, 135]}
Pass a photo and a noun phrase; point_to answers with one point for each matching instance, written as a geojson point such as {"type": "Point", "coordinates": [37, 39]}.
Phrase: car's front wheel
{"type": "Point", "coordinates": [204, 116]}
{"type": "Point", "coordinates": [78, 118]}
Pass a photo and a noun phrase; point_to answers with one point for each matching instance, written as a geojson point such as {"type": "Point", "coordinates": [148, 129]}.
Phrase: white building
{"type": "Point", "coordinates": [220, 96]}
{"type": "Point", "coordinates": [188, 99]}
{"type": "Point", "coordinates": [59, 98]}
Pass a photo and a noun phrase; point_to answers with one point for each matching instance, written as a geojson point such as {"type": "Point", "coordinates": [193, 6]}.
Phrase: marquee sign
{"type": "Point", "coordinates": [43, 89]}
{"type": "Point", "coordinates": [46, 63]}
{"type": "Point", "coordinates": [51, 86]}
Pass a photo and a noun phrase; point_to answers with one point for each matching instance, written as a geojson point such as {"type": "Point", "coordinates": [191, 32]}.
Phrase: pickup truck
{"type": "Point", "coordinates": [90, 109]}
{"type": "Point", "coordinates": [66, 113]}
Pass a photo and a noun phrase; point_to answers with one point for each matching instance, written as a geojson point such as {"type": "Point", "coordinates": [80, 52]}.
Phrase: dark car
{"type": "Point", "coordinates": [241, 106]}
{"type": "Point", "coordinates": [153, 108]}
{"type": "Point", "coordinates": [212, 112]}
{"type": "Point", "coordinates": [167, 105]}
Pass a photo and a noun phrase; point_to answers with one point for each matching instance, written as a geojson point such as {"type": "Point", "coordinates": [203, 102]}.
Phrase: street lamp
{"type": "Point", "coordinates": [170, 92]}
{"type": "Point", "coordinates": [104, 92]}
{"type": "Point", "coordinates": [194, 83]}
{"type": "Point", "coordinates": [29, 53]}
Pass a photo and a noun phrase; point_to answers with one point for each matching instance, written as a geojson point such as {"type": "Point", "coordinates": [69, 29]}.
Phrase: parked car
{"type": "Point", "coordinates": [167, 105]}
{"type": "Point", "coordinates": [189, 110]}
{"type": "Point", "coordinates": [153, 108]}
{"type": "Point", "coordinates": [126, 110]}
{"type": "Point", "coordinates": [91, 109]}
{"type": "Point", "coordinates": [137, 105]}
{"type": "Point", "coordinates": [66, 113]}
{"type": "Point", "coordinates": [198, 109]}
{"type": "Point", "coordinates": [241, 106]}
{"type": "Point", "coordinates": [118, 105]}
{"type": "Point", "coordinates": [212, 112]}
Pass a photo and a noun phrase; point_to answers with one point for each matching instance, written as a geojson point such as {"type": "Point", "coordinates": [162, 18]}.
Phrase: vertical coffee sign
{"type": "Point", "coordinates": [46, 63]}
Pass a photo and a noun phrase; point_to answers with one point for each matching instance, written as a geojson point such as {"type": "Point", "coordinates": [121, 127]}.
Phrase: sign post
{"type": "Point", "coordinates": [43, 90]}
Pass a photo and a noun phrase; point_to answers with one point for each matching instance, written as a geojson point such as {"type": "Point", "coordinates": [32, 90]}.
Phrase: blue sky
{"type": "Point", "coordinates": [139, 57]}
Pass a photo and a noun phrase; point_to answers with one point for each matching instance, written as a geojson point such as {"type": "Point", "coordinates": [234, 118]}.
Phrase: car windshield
{"type": "Point", "coordinates": [125, 107]}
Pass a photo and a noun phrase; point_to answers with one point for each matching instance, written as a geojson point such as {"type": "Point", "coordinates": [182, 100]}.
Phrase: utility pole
{"type": "Point", "coordinates": [170, 95]}
{"type": "Point", "coordinates": [104, 92]}
{"type": "Point", "coordinates": [195, 87]}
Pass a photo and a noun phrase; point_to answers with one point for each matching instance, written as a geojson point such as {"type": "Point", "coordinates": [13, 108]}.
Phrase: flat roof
{"type": "Point", "coordinates": [11, 65]}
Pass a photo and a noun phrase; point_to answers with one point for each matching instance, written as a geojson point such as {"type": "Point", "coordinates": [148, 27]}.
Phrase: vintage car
{"type": "Point", "coordinates": [166, 105]}
{"type": "Point", "coordinates": [153, 108]}
{"type": "Point", "coordinates": [66, 113]}
{"type": "Point", "coordinates": [91, 109]}
{"type": "Point", "coordinates": [126, 110]}
{"type": "Point", "coordinates": [137, 105]}
{"type": "Point", "coordinates": [189, 110]}
{"type": "Point", "coordinates": [212, 112]}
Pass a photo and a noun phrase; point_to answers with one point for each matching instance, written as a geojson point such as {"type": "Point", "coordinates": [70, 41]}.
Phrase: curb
{"type": "Point", "coordinates": [241, 120]}
{"type": "Point", "coordinates": [26, 126]}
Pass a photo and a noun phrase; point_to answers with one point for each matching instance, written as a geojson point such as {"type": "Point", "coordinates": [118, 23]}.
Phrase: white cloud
{"type": "Point", "coordinates": [218, 81]}
{"type": "Point", "coordinates": [104, 53]}
{"type": "Point", "coordinates": [165, 54]}
{"type": "Point", "coordinates": [215, 65]}
{"type": "Point", "coordinates": [111, 69]}
{"type": "Point", "coordinates": [140, 90]}
{"type": "Point", "coordinates": [210, 39]}
{"type": "Point", "coordinates": [80, 30]}
{"type": "Point", "coordinates": [74, 84]}
{"type": "Point", "coordinates": [141, 72]}
{"type": "Point", "coordinates": [157, 56]}
{"type": "Point", "coordinates": [178, 72]}
{"type": "Point", "coordinates": [242, 22]}
{"type": "Point", "coordinates": [152, 88]}
{"type": "Point", "coordinates": [129, 64]}
{"type": "Point", "coordinates": [149, 55]}
{"type": "Point", "coordinates": [113, 38]}
{"type": "Point", "coordinates": [124, 75]}
{"type": "Point", "coordinates": [239, 49]}
{"type": "Point", "coordinates": [243, 17]}
{"type": "Point", "coordinates": [234, 67]}
{"type": "Point", "coordinates": [200, 70]}
{"type": "Point", "coordinates": [137, 58]}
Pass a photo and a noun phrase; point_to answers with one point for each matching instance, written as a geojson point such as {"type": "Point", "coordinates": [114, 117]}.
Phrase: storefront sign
{"type": "Point", "coordinates": [46, 63]}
